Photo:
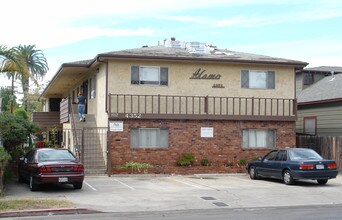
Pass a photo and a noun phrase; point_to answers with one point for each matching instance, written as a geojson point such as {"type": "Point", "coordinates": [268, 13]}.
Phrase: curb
{"type": "Point", "coordinates": [47, 212]}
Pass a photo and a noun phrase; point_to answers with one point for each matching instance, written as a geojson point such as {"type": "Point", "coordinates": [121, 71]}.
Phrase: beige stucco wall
{"type": "Point", "coordinates": [180, 84]}
{"type": "Point", "coordinates": [100, 113]}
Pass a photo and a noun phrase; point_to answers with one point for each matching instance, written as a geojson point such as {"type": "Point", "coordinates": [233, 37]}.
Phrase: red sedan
{"type": "Point", "coordinates": [48, 165]}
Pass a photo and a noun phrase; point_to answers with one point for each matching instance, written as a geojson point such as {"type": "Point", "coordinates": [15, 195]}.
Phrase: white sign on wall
{"type": "Point", "coordinates": [207, 132]}
{"type": "Point", "coordinates": [116, 126]}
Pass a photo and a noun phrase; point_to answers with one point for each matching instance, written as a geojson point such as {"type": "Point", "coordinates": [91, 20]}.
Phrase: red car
{"type": "Point", "coordinates": [49, 165]}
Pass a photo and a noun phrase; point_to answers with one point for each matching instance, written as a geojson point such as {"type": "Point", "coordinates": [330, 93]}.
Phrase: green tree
{"type": "Point", "coordinates": [15, 130]}
{"type": "Point", "coordinates": [11, 64]}
{"type": "Point", "coordinates": [5, 94]}
{"type": "Point", "coordinates": [35, 67]}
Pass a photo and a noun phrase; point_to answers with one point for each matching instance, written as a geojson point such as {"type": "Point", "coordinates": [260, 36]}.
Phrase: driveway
{"type": "Point", "coordinates": [162, 192]}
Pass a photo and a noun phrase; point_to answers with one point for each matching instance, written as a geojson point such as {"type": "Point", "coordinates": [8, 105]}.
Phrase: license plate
{"type": "Point", "coordinates": [320, 167]}
{"type": "Point", "coordinates": [63, 179]}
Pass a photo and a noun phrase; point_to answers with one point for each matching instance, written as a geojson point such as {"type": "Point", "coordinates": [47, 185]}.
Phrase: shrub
{"type": "Point", "coordinates": [243, 162]}
{"type": "Point", "coordinates": [4, 158]}
{"type": "Point", "coordinates": [185, 160]}
{"type": "Point", "coordinates": [205, 162]}
{"type": "Point", "coordinates": [135, 166]}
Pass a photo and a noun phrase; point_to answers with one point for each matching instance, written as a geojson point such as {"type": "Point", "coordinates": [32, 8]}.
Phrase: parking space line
{"type": "Point", "coordinates": [90, 186]}
{"type": "Point", "coordinates": [189, 184]}
{"type": "Point", "coordinates": [124, 184]}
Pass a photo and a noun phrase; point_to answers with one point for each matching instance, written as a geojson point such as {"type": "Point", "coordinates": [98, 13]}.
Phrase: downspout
{"type": "Point", "coordinates": [109, 160]}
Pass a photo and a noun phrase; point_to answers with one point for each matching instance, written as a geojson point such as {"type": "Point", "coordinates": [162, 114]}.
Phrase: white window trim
{"type": "Point", "coordinates": [275, 79]}
{"type": "Point", "coordinates": [248, 147]}
{"type": "Point", "coordinates": [158, 67]}
{"type": "Point", "coordinates": [151, 147]}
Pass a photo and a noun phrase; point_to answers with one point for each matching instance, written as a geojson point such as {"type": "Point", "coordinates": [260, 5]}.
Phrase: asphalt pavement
{"type": "Point", "coordinates": [146, 193]}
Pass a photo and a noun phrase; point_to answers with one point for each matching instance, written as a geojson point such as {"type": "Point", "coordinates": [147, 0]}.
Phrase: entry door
{"type": "Point", "coordinates": [85, 94]}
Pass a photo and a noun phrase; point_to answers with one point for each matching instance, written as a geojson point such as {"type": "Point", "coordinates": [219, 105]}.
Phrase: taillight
{"type": "Point", "coordinates": [44, 169]}
{"type": "Point", "coordinates": [78, 168]}
{"type": "Point", "coordinates": [332, 166]}
{"type": "Point", "coordinates": [306, 167]}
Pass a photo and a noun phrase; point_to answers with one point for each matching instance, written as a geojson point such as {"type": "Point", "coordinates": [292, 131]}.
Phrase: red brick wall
{"type": "Point", "coordinates": [223, 151]}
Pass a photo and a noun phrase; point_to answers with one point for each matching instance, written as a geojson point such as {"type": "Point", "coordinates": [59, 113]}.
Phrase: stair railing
{"type": "Point", "coordinates": [77, 148]}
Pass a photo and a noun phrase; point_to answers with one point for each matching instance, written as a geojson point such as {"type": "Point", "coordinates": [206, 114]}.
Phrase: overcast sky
{"type": "Point", "coordinates": [71, 30]}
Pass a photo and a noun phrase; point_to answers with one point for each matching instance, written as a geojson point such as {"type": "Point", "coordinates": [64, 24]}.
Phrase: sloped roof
{"type": "Point", "coordinates": [62, 79]}
{"type": "Point", "coordinates": [335, 69]}
{"type": "Point", "coordinates": [223, 55]}
{"type": "Point", "coordinates": [327, 89]}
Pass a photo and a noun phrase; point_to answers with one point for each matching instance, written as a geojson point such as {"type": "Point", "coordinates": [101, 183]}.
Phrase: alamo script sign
{"type": "Point", "coordinates": [200, 74]}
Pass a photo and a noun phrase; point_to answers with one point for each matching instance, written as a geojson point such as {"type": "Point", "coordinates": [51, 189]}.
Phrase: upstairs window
{"type": "Point", "coordinates": [310, 125]}
{"type": "Point", "coordinates": [257, 79]}
{"type": "Point", "coordinates": [146, 75]}
{"type": "Point", "coordinates": [92, 83]}
{"type": "Point", "coordinates": [308, 79]}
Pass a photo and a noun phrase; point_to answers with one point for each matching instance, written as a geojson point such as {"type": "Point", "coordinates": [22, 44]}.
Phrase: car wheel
{"type": "Point", "coordinates": [32, 184]}
{"type": "Point", "coordinates": [78, 185]}
{"type": "Point", "coordinates": [322, 182]}
{"type": "Point", "coordinates": [253, 173]}
{"type": "Point", "coordinates": [287, 178]}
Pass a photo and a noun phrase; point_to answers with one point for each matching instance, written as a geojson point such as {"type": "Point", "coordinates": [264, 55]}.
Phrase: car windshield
{"type": "Point", "coordinates": [55, 155]}
{"type": "Point", "coordinates": [304, 154]}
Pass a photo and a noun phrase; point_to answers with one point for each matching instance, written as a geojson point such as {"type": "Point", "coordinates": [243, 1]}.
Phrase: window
{"type": "Point", "coordinates": [144, 75]}
{"type": "Point", "coordinates": [258, 138]}
{"type": "Point", "coordinates": [310, 124]}
{"type": "Point", "coordinates": [271, 156]}
{"type": "Point", "coordinates": [281, 156]}
{"type": "Point", "coordinates": [92, 83]}
{"type": "Point", "coordinates": [149, 138]}
{"type": "Point", "coordinates": [308, 78]}
{"type": "Point", "coordinates": [257, 79]}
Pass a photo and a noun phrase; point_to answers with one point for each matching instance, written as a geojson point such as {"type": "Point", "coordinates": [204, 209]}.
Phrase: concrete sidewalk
{"type": "Point", "coordinates": [141, 193]}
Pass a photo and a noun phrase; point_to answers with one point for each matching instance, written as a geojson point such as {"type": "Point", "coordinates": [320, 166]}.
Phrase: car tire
{"type": "Point", "coordinates": [287, 177]}
{"type": "Point", "coordinates": [322, 182]}
{"type": "Point", "coordinates": [33, 186]}
{"type": "Point", "coordinates": [253, 173]}
{"type": "Point", "coordinates": [78, 185]}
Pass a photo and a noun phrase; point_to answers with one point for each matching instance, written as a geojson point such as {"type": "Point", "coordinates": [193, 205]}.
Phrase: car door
{"type": "Point", "coordinates": [279, 164]}
{"type": "Point", "coordinates": [27, 167]}
{"type": "Point", "coordinates": [266, 164]}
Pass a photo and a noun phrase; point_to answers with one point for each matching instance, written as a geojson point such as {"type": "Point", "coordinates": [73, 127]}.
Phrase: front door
{"type": "Point", "coordinates": [85, 94]}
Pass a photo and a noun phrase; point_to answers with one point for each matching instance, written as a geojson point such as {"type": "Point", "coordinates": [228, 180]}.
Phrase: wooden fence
{"type": "Point", "coordinates": [328, 147]}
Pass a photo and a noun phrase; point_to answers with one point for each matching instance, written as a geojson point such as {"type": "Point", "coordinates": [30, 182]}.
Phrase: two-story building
{"type": "Point", "coordinates": [153, 104]}
{"type": "Point", "coordinates": [320, 103]}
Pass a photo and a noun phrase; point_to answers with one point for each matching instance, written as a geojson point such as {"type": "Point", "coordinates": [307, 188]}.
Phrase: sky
{"type": "Point", "coordinates": [72, 30]}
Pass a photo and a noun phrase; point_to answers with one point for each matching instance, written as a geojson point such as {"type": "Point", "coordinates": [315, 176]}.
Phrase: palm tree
{"type": "Point", "coordinates": [35, 67]}
{"type": "Point", "coordinates": [10, 64]}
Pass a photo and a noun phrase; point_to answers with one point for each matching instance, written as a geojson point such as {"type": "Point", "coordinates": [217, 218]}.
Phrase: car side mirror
{"type": "Point", "coordinates": [259, 159]}
{"type": "Point", "coordinates": [25, 160]}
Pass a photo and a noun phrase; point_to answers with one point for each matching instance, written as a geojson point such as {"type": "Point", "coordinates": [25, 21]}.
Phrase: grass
{"type": "Point", "coordinates": [30, 204]}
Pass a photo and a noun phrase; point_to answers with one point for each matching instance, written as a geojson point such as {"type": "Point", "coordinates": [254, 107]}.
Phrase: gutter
{"type": "Point", "coordinates": [120, 56]}
{"type": "Point", "coordinates": [319, 102]}
{"type": "Point", "coordinates": [106, 89]}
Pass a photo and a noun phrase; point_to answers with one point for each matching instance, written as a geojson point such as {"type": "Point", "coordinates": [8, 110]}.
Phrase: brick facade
{"type": "Point", "coordinates": [224, 151]}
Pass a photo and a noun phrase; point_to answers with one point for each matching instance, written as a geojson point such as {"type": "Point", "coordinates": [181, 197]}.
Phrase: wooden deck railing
{"type": "Point", "coordinates": [64, 110]}
{"type": "Point", "coordinates": [201, 107]}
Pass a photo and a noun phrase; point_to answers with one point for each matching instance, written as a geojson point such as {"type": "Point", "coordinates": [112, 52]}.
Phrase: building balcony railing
{"type": "Point", "coordinates": [201, 107]}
